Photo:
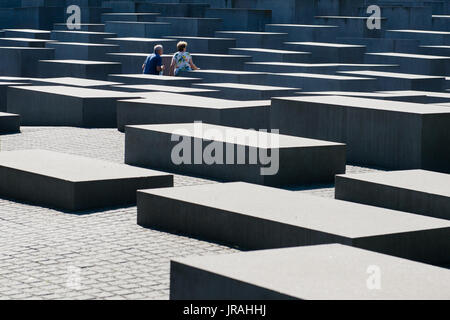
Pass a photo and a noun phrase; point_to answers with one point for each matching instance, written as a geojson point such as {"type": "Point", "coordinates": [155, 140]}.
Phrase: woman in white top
{"type": "Point", "coordinates": [181, 60]}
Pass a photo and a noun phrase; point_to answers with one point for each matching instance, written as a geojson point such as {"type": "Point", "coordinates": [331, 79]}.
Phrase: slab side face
{"type": "Point", "coordinates": [304, 273]}
{"type": "Point", "coordinates": [416, 191]}
{"type": "Point", "coordinates": [240, 155]}
{"type": "Point", "coordinates": [72, 182]}
{"type": "Point", "coordinates": [257, 217]}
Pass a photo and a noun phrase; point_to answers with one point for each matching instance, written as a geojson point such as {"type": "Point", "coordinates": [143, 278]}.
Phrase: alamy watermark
{"type": "Point", "coordinates": [74, 20]}
{"type": "Point", "coordinates": [227, 146]}
{"type": "Point", "coordinates": [374, 21]}
{"type": "Point", "coordinates": [373, 282]}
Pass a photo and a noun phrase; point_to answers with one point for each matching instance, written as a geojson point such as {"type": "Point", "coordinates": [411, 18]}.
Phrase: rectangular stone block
{"type": "Point", "coordinates": [322, 272]}
{"type": "Point", "coordinates": [387, 134]}
{"type": "Point", "coordinates": [401, 81]}
{"type": "Point", "coordinates": [234, 76]}
{"type": "Point", "coordinates": [72, 182]}
{"type": "Point", "coordinates": [97, 70]}
{"type": "Point", "coordinates": [240, 91]}
{"type": "Point", "coordinates": [23, 42]}
{"type": "Point", "coordinates": [73, 82]}
{"type": "Point", "coordinates": [3, 92]}
{"type": "Point", "coordinates": [148, 89]}
{"type": "Point", "coordinates": [252, 39]}
{"type": "Point", "coordinates": [271, 55]}
{"type": "Point", "coordinates": [27, 33]}
{"type": "Point", "coordinates": [417, 191]}
{"type": "Point", "coordinates": [320, 82]}
{"type": "Point", "coordinates": [330, 52]}
{"type": "Point", "coordinates": [81, 36]}
{"type": "Point", "coordinates": [9, 123]}
{"type": "Point", "coordinates": [305, 32]}
{"type": "Point", "coordinates": [196, 27]}
{"type": "Point", "coordinates": [141, 45]}
{"type": "Point", "coordinates": [241, 155]}
{"type": "Point", "coordinates": [206, 44]}
{"type": "Point", "coordinates": [138, 29]}
{"type": "Point", "coordinates": [65, 106]}
{"type": "Point", "coordinates": [164, 107]}
{"type": "Point", "coordinates": [257, 217]}
{"type": "Point", "coordinates": [22, 61]}
{"type": "Point", "coordinates": [140, 78]}
{"type": "Point", "coordinates": [82, 51]}
{"type": "Point", "coordinates": [241, 18]}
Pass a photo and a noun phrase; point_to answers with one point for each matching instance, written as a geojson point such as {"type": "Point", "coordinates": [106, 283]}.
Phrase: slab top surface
{"type": "Point", "coordinates": [70, 167]}
{"type": "Point", "coordinates": [82, 62]}
{"type": "Point", "coordinates": [243, 86]}
{"type": "Point", "coordinates": [372, 73]}
{"type": "Point", "coordinates": [79, 92]}
{"type": "Point", "coordinates": [408, 55]}
{"type": "Point", "coordinates": [78, 82]}
{"type": "Point", "coordinates": [331, 216]}
{"type": "Point", "coordinates": [419, 180]}
{"type": "Point", "coordinates": [153, 76]}
{"type": "Point", "coordinates": [232, 135]}
{"type": "Point", "coordinates": [185, 100]}
{"type": "Point", "coordinates": [328, 44]}
{"type": "Point", "coordinates": [155, 87]}
{"type": "Point", "coordinates": [304, 272]}
{"type": "Point", "coordinates": [355, 102]}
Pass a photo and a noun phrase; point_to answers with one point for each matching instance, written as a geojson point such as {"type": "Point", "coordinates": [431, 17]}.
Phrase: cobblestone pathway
{"type": "Point", "coordinates": [49, 254]}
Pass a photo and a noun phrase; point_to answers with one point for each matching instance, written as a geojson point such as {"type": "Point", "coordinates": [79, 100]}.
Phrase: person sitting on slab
{"type": "Point", "coordinates": [182, 60]}
{"type": "Point", "coordinates": [153, 63]}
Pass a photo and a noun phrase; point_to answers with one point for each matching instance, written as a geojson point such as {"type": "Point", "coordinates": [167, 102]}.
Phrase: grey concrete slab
{"type": "Point", "coordinates": [9, 123]}
{"type": "Point", "coordinates": [259, 217]}
{"type": "Point", "coordinates": [97, 70]}
{"type": "Point", "coordinates": [383, 44]}
{"type": "Point", "coordinates": [138, 29]}
{"type": "Point", "coordinates": [330, 52]}
{"type": "Point", "coordinates": [141, 45]}
{"type": "Point", "coordinates": [320, 82]}
{"type": "Point", "coordinates": [65, 106]}
{"type": "Point", "coordinates": [220, 61]}
{"type": "Point", "coordinates": [140, 78]}
{"type": "Point", "coordinates": [326, 68]}
{"type": "Point", "coordinates": [92, 27]}
{"type": "Point", "coordinates": [143, 89]}
{"type": "Point", "coordinates": [206, 44]}
{"type": "Point", "coordinates": [22, 61]}
{"type": "Point", "coordinates": [236, 76]}
{"type": "Point", "coordinates": [130, 16]}
{"type": "Point", "coordinates": [80, 36]}
{"type": "Point", "coordinates": [261, 54]}
{"type": "Point", "coordinates": [305, 32]}
{"type": "Point", "coordinates": [3, 92]}
{"type": "Point", "coordinates": [23, 42]}
{"type": "Point", "coordinates": [298, 161]}
{"type": "Point", "coordinates": [405, 96]}
{"type": "Point", "coordinates": [164, 107]}
{"type": "Point", "coordinates": [401, 81]}
{"type": "Point", "coordinates": [73, 182]}
{"type": "Point", "coordinates": [74, 82]}
{"type": "Point", "coordinates": [240, 91]}
{"type": "Point", "coordinates": [304, 273]}
{"type": "Point", "coordinates": [82, 51]}
{"type": "Point", "coordinates": [353, 26]}
{"type": "Point", "coordinates": [241, 18]}
{"type": "Point", "coordinates": [417, 191]}
{"type": "Point", "coordinates": [425, 36]}
{"type": "Point", "coordinates": [389, 134]}
{"type": "Point", "coordinates": [27, 33]}
{"type": "Point", "coordinates": [430, 96]}
{"type": "Point", "coordinates": [249, 39]}
{"type": "Point", "coordinates": [190, 26]}
{"type": "Point", "coordinates": [423, 64]}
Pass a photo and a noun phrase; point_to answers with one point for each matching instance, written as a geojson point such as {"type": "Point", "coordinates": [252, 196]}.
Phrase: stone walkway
{"type": "Point", "coordinates": [104, 254]}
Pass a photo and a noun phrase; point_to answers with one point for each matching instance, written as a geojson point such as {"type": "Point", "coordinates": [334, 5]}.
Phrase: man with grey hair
{"type": "Point", "coordinates": [153, 63]}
